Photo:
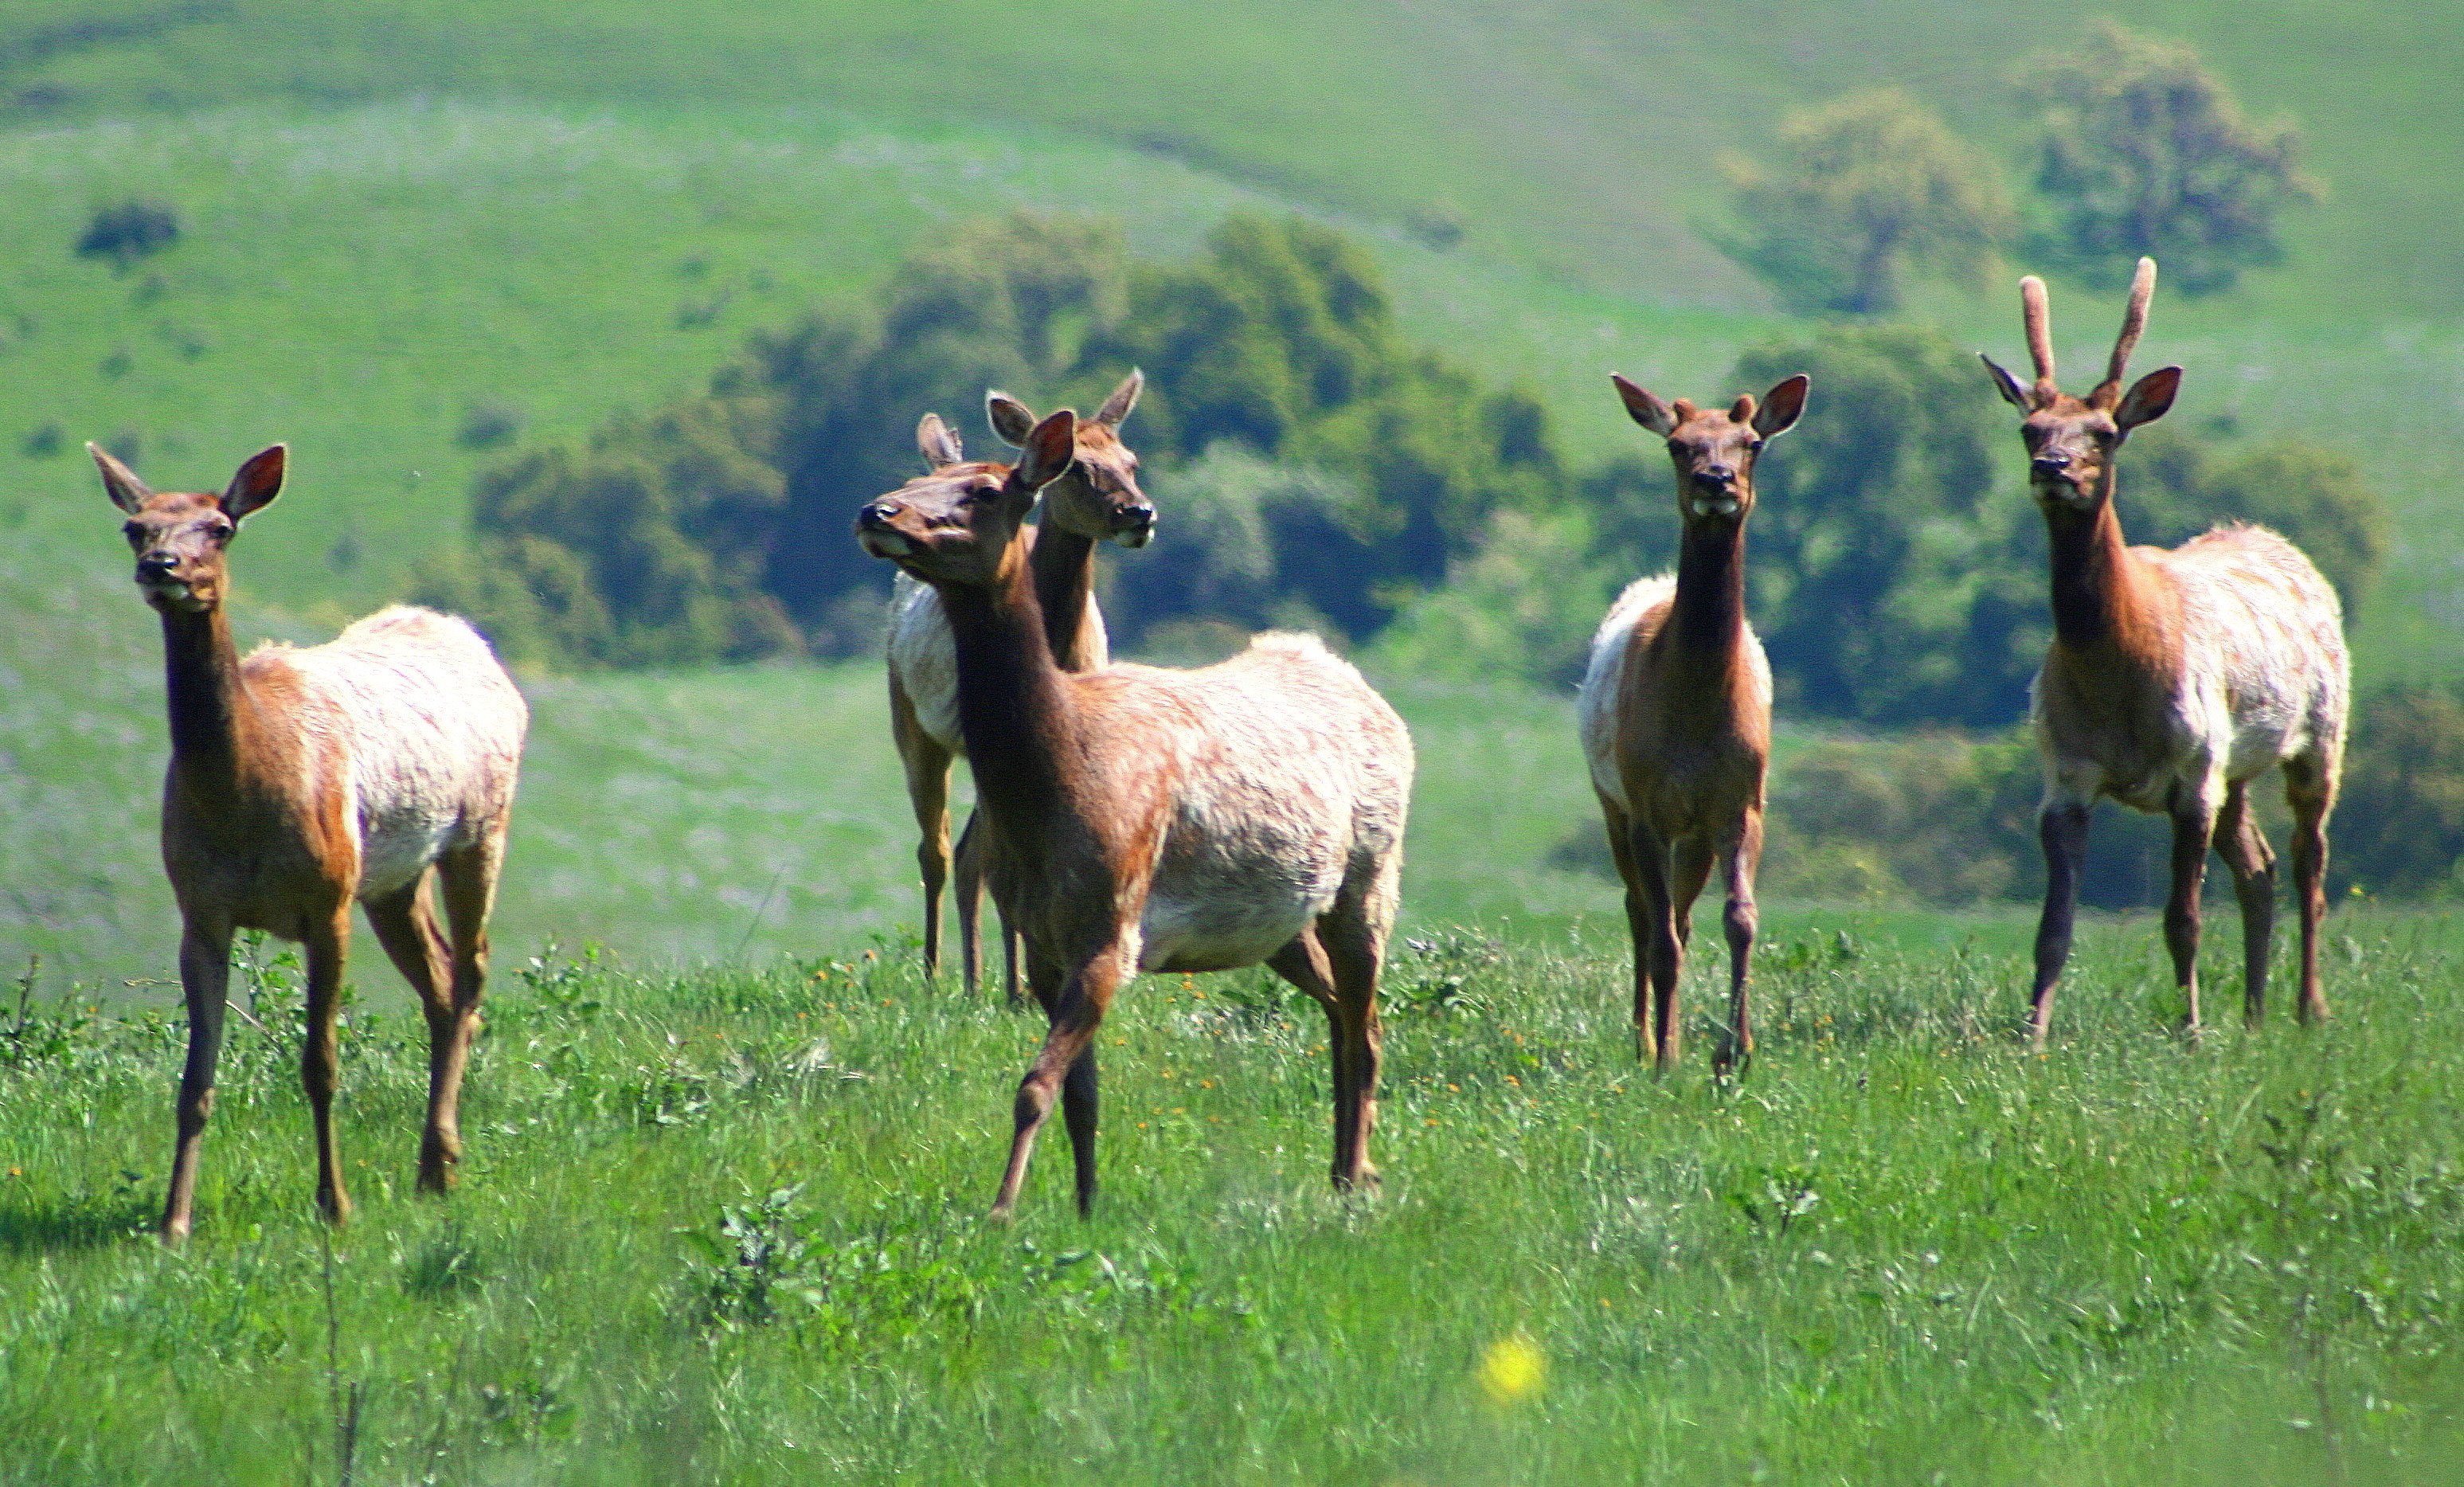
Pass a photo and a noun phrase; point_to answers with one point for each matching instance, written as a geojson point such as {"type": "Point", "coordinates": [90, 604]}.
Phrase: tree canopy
{"type": "Point", "coordinates": [1868, 192]}
{"type": "Point", "coordinates": [2143, 149]}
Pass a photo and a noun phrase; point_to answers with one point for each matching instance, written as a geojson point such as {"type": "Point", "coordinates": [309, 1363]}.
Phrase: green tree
{"type": "Point", "coordinates": [1869, 191]}
{"type": "Point", "coordinates": [1886, 581]}
{"type": "Point", "coordinates": [2144, 150]}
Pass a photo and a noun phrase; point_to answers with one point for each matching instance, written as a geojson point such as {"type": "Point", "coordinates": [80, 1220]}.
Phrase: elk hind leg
{"type": "Point", "coordinates": [2310, 788]}
{"type": "Point", "coordinates": [1740, 921]}
{"type": "Point", "coordinates": [2244, 848]}
{"type": "Point", "coordinates": [468, 876]}
{"type": "Point", "coordinates": [404, 923]}
{"type": "Point", "coordinates": [1353, 935]}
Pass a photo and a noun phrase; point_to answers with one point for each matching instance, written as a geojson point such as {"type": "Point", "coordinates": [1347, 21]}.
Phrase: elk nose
{"type": "Point", "coordinates": [1140, 515]}
{"type": "Point", "coordinates": [156, 565]}
{"type": "Point", "coordinates": [2051, 462]}
{"type": "Point", "coordinates": [880, 512]}
{"type": "Point", "coordinates": [1716, 474]}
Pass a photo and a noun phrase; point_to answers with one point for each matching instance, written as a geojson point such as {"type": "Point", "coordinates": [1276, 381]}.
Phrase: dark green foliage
{"type": "Point", "coordinates": [2180, 479]}
{"type": "Point", "coordinates": [1871, 190]}
{"type": "Point", "coordinates": [1339, 469]}
{"type": "Point", "coordinates": [129, 231]}
{"type": "Point", "coordinates": [2144, 150]}
{"type": "Point", "coordinates": [1886, 585]}
{"type": "Point", "coordinates": [2399, 828]}
{"type": "Point", "coordinates": [643, 549]}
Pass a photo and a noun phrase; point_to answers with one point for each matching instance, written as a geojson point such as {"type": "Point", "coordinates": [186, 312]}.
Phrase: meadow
{"type": "Point", "coordinates": [724, 1227]}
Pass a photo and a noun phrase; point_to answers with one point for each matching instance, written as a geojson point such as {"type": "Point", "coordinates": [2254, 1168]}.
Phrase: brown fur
{"type": "Point", "coordinates": [2174, 677]}
{"type": "Point", "coordinates": [1676, 715]}
{"type": "Point", "coordinates": [1156, 820]}
{"type": "Point", "coordinates": [1098, 498]}
{"type": "Point", "coordinates": [262, 813]}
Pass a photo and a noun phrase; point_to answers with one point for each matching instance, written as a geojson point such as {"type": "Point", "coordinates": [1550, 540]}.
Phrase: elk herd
{"type": "Point", "coordinates": [1138, 818]}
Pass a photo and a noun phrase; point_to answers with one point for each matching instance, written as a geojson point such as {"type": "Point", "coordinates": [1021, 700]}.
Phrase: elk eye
{"type": "Point", "coordinates": [1754, 446]}
{"type": "Point", "coordinates": [132, 531]}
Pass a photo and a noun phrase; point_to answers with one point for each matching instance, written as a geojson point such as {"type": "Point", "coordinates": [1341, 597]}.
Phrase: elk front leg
{"type": "Point", "coordinates": [2194, 829]}
{"type": "Point", "coordinates": [320, 1056]}
{"type": "Point", "coordinates": [205, 981]}
{"type": "Point", "coordinates": [2062, 830]}
{"type": "Point", "coordinates": [1659, 1023]}
{"type": "Point", "coordinates": [1076, 1013]}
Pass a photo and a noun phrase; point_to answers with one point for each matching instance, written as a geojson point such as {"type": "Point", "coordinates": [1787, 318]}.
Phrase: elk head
{"type": "Point", "coordinates": [2071, 441]}
{"type": "Point", "coordinates": [182, 540]}
{"type": "Point", "coordinates": [1098, 497]}
{"type": "Point", "coordinates": [1714, 451]}
{"type": "Point", "coordinates": [959, 523]}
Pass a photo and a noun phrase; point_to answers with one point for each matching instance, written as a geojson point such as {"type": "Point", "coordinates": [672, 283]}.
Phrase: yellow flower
{"type": "Point", "coordinates": [1513, 1370]}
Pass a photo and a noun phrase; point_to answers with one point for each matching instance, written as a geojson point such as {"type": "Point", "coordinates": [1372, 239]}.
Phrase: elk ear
{"type": "Point", "coordinates": [1781, 405]}
{"type": "Point", "coordinates": [1010, 418]}
{"type": "Point", "coordinates": [1125, 398]}
{"type": "Point", "coordinates": [2148, 398]}
{"type": "Point", "coordinates": [2008, 385]}
{"type": "Point", "coordinates": [938, 442]}
{"type": "Point", "coordinates": [258, 482]}
{"type": "Point", "coordinates": [1049, 447]}
{"type": "Point", "coordinates": [119, 482]}
{"type": "Point", "coordinates": [1645, 408]}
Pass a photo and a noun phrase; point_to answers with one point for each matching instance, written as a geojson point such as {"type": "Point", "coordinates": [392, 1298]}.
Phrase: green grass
{"type": "Point", "coordinates": [1902, 1251]}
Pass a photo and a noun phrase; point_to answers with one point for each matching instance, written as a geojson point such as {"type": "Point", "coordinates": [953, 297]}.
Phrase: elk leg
{"type": "Point", "coordinates": [1637, 923]}
{"type": "Point", "coordinates": [2243, 846]}
{"type": "Point", "coordinates": [1304, 964]}
{"type": "Point", "coordinates": [1078, 1088]}
{"type": "Point", "coordinates": [967, 895]}
{"type": "Point", "coordinates": [469, 879]}
{"type": "Point", "coordinates": [1660, 1019]}
{"type": "Point", "coordinates": [205, 980]}
{"type": "Point", "coordinates": [2310, 787]}
{"type": "Point", "coordinates": [1352, 934]}
{"type": "Point", "coordinates": [1691, 859]}
{"type": "Point", "coordinates": [2195, 829]}
{"type": "Point", "coordinates": [1740, 921]}
{"type": "Point", "coordinates": [928, 795]}
{"type": "Point", "coordinates": [404, 923]}
{"type": "Point", "coordinates": [1077, 1011]}
{"type": "Point", "coordinates": [2062, 830]}
{"type": "Point", "coordinates": [1013, 945]}
{"type": "Point", "coordinates": [320, 1055]}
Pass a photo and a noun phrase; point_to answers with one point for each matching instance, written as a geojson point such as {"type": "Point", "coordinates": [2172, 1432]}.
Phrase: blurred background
{"type": "Point", "coordinates": [597, 324]}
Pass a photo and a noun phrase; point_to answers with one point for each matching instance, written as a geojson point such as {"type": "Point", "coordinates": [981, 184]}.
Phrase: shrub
{"type": "Point", "coordinates": [128, 231]}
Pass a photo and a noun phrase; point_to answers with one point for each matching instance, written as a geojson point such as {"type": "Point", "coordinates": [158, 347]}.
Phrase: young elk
{"type": "Point", "coordinates": [1146, 819]}
{"type": "Point", "coordinates": [303, 780]}
{"type": "Point", "coordinates": [2174, 679]}
{"type": "Point", "coordinates": [1676, 715]}
{"type": "Point", "coordinates": [1096, 500]}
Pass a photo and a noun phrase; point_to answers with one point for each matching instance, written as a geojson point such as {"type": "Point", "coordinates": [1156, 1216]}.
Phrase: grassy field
{"type": "Point", "coordinates": [724, 1228]}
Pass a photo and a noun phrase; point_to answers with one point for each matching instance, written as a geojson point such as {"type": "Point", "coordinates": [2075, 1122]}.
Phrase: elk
{"type": "Point", "coordinates": [1147, 819]}
{"type": "Point", "coordinates": [303, 780]}
{"type": "Point", "coordinates": [2175, 677]}
{"type": "Point", "coordinates": [1675, 714]}
{"type": "Point", "coordinates": [1096, 500]}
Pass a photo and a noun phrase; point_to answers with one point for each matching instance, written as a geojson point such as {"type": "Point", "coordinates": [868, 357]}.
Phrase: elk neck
{"type": "Point", "coordinates": [1707, 615]}
{"type": "Point", "coordinates": [1013, 703]}
{"type": "Point", "coordinates": [2098, 592]}
{"type": "Point", "coordinates": [1063, 567]}
{"type": "Point", "coordinates": [209, 707]}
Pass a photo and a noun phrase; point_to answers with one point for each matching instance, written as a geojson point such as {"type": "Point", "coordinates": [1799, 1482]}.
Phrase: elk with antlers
{"type": "Point", "coordinates": [1675, 712]}
{"type": "Point", "coordinates": [1146, 819]}
{"type": "Point", "coordinates": [2174, 679]}
{"type": "Point", "coordinates": [303, 780]}
{"type": "Point", "coordinates": [1097, 500]}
